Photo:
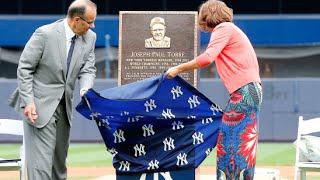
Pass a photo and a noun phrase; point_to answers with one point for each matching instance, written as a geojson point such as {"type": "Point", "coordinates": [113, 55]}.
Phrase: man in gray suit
{"type": "Point", "coordinates": [55, 56]}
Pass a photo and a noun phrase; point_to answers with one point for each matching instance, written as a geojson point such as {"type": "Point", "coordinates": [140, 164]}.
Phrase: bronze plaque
{"type": "Point", "coordinates": [150, 42]}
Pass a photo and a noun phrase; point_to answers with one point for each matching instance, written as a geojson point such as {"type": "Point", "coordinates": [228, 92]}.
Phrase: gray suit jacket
{"type": "Point", "coordinates": [42, 71]}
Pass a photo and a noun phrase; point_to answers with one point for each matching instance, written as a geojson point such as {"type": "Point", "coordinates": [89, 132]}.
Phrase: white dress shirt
{"type": "Point", "coordinates": [69, 35]}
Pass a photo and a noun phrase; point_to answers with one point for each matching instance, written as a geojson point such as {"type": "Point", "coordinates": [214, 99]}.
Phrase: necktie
{"type": "Point", "coordinates": [73, 40]}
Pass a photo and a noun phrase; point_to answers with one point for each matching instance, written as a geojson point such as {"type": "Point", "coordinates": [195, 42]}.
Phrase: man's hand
{"type": "Point", "coordinates": [83, 91]}
{"type": "Point", "coordinates": [31, 113]}
{"type": "Point", "coordinates": [172, 72]}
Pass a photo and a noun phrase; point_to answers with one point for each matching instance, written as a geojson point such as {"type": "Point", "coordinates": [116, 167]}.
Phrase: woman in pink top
{"type": "Point", "coordinates": [238, 68]}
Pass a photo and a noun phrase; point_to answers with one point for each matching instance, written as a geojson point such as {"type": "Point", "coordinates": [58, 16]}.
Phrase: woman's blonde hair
{"type": "Point", "coordinates": [212, 13]}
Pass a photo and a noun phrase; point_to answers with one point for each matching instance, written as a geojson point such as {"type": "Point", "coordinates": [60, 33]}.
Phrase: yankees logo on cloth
{"type": "Point", "coordinates": [154, 125]}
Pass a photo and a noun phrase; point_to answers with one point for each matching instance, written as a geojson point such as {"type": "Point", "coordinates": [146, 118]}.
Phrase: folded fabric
{"type": "Point", "coordinates": [154, 125]}
{"type": "Point", "coordinates": [310, 148]}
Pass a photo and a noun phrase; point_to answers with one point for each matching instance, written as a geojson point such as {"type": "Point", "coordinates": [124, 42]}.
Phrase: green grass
{"type": "Point", "coordinates": [95, 155]}
{"type": "Point", "coordinates": [276, 154]}
{"type": "Point", "coordinates": [9, 151]}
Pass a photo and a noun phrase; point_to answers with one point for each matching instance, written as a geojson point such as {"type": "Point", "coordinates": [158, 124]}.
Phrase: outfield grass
{"type": "Point", "coordinates": [95, 155]}
{"type": "Point", "coordinates": [81, 155]}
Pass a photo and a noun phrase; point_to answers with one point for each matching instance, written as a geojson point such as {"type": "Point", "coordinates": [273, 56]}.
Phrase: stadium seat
{"type": "Point", "coordinates": [305, 127]}
{"type": "Point", "coordinates": [13, 127]}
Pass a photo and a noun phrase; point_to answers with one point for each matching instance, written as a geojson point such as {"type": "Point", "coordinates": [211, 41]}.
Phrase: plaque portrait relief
{"type": "Point", "coordinates": [157, 30]}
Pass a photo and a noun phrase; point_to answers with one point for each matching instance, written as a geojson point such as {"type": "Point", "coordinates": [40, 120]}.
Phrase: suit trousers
{"type": "Point", "coordinates": [47, 147]}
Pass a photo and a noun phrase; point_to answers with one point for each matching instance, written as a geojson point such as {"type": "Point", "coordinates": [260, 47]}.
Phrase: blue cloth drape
{"type": "Point", "coordinates": [154, 125]}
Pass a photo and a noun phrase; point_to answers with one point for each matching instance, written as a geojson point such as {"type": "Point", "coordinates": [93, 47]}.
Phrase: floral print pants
{"type": "Point", "coordinates": [238, 136]}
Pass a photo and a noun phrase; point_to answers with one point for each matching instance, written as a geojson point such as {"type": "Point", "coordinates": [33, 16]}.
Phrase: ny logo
{"type": "Point", "coordinates": [134, 119]}
{"type": "Point", "coordinates": [177, 125]}
{"type": "Point", "coordinates": [112, 151]}
{"type": "Point", "coordinates": [176, 92]}
{"type": "Point", "coordinates": [168, 144]}
{"type": "Point", "coordinates": [95, 115]}
{"type": "Point", "coordinates": [168, 114]}
{"type": "Point", "coordinates": [118, 136]}
{"type": "Point", "coordinates": [165, 175]}
{"type": "Point", "coordinates": [208, 151]}
{"type": "Point", "coordinates": [191, 117]}
{"type": "Point", "coordinates": [182, 159]}
{"type": "Point", "coordinates": [150, 105]}
{"type": "Point", "coordinates": [105, 122]}
{"type": "Point", "coordinates": [124, 166]}
{"type": "Point", "coordinates": [139, 150]}
{"type": "Point", "coordinates": [207, 120]}
{"type": "Point", "coordinates": [148, 130]}
{"type": "Point", "coordinates": [124, 113]}
{"type": "Point", "coordinates": [197, 137]}
{"type": "Point", "coordinates": [153, 164]}
{"type": "Point", "coordinates": [100, 123]}
{"type": "Point", "coordinates": [193, 101]}
{"type": "Point", "coordinates": [215, 108]}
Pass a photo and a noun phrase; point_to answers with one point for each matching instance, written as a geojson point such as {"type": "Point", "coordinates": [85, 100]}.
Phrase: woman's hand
{"type": "Point", "coordinates": [172, 72]}
{"type": "Point", "coordinates": [181, 68]}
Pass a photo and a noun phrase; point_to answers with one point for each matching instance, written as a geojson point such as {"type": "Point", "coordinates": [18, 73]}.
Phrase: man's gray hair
{"type": "Point", "coordinates": [79, 7]}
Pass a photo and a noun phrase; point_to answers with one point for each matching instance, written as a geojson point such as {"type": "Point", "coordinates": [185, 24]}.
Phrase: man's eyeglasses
{"type": "Point", "coordinates": [89, 23]}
